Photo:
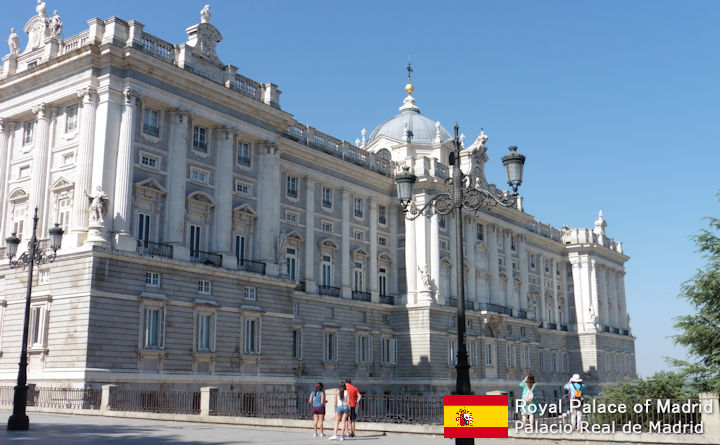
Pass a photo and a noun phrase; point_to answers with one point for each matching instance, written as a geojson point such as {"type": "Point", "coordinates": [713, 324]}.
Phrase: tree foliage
{"type": "Point", "coordinates": [661, 385]}
{"type": "Point", "coordinates": [700, 332]}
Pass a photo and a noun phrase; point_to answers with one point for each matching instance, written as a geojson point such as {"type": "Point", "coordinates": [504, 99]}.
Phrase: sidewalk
{"type": "Point", "coordinates": [65, 429]}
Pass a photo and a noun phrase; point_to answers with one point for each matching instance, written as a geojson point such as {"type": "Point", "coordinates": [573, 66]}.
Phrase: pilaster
{"type": "Point", "coordinates": [509, 291]}
{"type": "Point", "coordinates": [471, 278]}
{"type": "Point", "coordinates": [556, 301]}
{"type": "Point", "coordinates": [310, 266]}
{"type": "Point", "coordinates": [223, 189]}
{"type": "Point", "coordinates": [346, 288]}
{"type": "Point", "coordinates": [6, 129]}
{"type": "Point", "coordinates": [83, 177]}
{"type": "Point", "coordinates": [38, 183]}
{"type": "Point", "coordinates": [177, 178]}
{"type": "Point", "coordinates": [493, 267]}
{"type": "Point", "coordinates": [524, 275]}
{"type": "Point", "coordinates": [268, 191]}
{"type": "Point", "coordinates": [374, 297]}
{"type": "Point", "coordinates": [122, 207]}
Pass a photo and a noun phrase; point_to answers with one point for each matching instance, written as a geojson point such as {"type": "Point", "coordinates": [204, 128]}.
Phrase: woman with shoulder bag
{"type": "Point", "coordinates": [529, 406]}
{"type": "Point", "coordinates": [317, 402]}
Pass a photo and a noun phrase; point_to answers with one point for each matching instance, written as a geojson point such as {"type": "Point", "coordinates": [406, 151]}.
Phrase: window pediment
{"type": "Point", "coordinates": [327, 243]}
{"type": "Point", "coordinates": [202, 199]}
{"type": "Point", "coordinates": [61, 185]}
{"type": "Point", "coordinates": [150, 186]}
{"type": "Point", "coordinates": [18, 195]}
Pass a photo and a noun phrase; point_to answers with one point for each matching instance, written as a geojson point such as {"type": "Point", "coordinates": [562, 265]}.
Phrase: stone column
{"type": "Point", "coordinates": [346, 280]}
{"type": "Point", "coordinates": [394, 225]}
{"type": "Point", "coordinates": [524, 274]}
{"type": "Point", "coordinates": [580, 304]}
{"type": "Point", "coordinates": [423, 271]}
{"type": "Point", "coordinates": [603, 297]}
{"type": "Point", "coordinates": [593, 287]}
{"type": "Point", "coordinates": [122, 207]}
{"type": "Point", "coordinates": [410, 262]}
{"type": "Point", "coordinates": [38, 184]}
{"type": "Point", "coordinates": [556, 301]}
{"type": "Point", "coordinates": [177, 179]}
{"type": "Point", "coordinates": [493, 268]}
{"type": "Point", "coordinates": [470, 238]}
{"type": "Point", "coordinates": [509, 291]}
{"type": "Point", "coordinates": [621, 300]}
{"type": "Point", "coordinates": [374, 296]}
{"type": "Point", "coordinates": [47, 199]}
{"type": "Point", "coordinates": [223, 192]}
{"type": "Point", "coordinates": [5, 131]}
{"type": "Point", "coordinates": [83, 176]}
{"type": "Point", "coordinates": [310, 266]}
{"type": "Point", "coordinates": [268, 191]}
{"type": "Point", "coordinates": [542, 304]}
{"type": "Point", "coordinates": [615, 300]}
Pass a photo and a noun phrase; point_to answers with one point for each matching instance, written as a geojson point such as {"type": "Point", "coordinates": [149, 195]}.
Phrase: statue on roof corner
{"type": "Point", "coordinates": [14, 42]}
{"type": "Point", "coordinates": [40, 8]}
{"type": "Point", "coordinates": [55, 25]}
{"type": "Point", "coordinates": [204, 14]}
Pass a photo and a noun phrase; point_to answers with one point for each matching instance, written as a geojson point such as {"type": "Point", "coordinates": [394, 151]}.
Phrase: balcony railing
{"type": "Point", "coordinates": [624, 332]}
{"type": "Point", "coordinates": [300, 286]}
{"type": "Point", "coordinates": [251, 266]}
{"type": "Point", "coordinates": [552, 326]}
{"type": "Point", "coordinates": [154, 249]}
{"type": "Point", "coordinates": [522, 314]}
{"type": "Point", "coordinates": [616, 331]}
{"type": "Point", "coordinates": [606, 328]}
{"type": "Point", "coordinates": [360, 296]}
{"type": "Point", "coordinates": [330, 291]}
{"type": "Point", "coordinates": [387, 299]}
{"type": "Point", "coordinates": [207, 258]}
{"type": "Point", "coordinates": [564, 327]}
{"type": "Point", "coordinates": [491, 307]}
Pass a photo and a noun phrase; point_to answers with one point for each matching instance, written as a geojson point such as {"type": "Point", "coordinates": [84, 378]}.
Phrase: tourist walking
{"type": "Point", "coordinates": [529, 406]}
{"type": "Point", "coordinates": [317, 401]}
{"type": "Point", "coordinates": [354, 397]}
{"type": "Point", "coordinates": [575, 389]}
{"type": "Point", "coordinates": [342, 410]}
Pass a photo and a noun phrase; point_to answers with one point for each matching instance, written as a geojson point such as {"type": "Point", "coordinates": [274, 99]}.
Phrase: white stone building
{"type": "Point", "coordinates": [212, 239]}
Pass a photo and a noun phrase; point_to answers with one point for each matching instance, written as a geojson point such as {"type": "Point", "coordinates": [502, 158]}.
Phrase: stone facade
{"type": "Point", "coordinates": [211, 239]}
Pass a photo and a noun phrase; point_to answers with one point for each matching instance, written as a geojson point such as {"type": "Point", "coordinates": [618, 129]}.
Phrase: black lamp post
{"type": "Point", "coordinates": [19, 419]}
{"type": "Point", "coordinates": [460, 194]}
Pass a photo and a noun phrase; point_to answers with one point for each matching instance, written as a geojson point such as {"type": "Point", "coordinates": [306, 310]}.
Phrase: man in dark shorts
{"type": "Point", "coordinates": [353, 398]}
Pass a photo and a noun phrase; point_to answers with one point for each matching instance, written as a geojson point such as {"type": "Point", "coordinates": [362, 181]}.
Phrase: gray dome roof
{"type": "Point", "coordinates": [420, 127]}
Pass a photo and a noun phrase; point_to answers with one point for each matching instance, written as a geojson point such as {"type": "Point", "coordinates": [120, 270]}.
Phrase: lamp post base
{"type": "Point", "coordinates": [19, 421]}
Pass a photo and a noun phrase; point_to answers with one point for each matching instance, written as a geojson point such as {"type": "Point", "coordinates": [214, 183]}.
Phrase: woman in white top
{"type": "Point", "coordinates": [342, 410]}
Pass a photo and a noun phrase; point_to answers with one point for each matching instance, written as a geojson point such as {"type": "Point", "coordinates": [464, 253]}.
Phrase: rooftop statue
{"type": "Point", "coordinates": [205, 14]}
{"type": "Point", "coordinates": [55, 25]}
{"type": "Point", "coordinates": [40, 8]}
{"type": "Point", "coordinates": [14, 42]}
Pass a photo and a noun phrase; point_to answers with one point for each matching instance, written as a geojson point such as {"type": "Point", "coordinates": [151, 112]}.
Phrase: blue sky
{"type": "Point", "coordinates": [615, 103]}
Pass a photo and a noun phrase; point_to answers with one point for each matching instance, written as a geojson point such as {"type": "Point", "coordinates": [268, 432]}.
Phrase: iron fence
{"type": "Point", "coordinates": [68, 398]}
{"type": "Point", "coordinates": [6, 395]}
{"type": "Point", "coordinates": [172, 402]}
{"type": "Point", "coordinates": [422, 410]}
{"type": "Point", "coordinates": [268, 405]}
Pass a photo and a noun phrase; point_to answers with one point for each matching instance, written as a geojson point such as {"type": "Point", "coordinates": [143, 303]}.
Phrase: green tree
{"type": "Point", "coordinates": [661, 385]}
{"type": "Point", "coordinates": [700, 332]}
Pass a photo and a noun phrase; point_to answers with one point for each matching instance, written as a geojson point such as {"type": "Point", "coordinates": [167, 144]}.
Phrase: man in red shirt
{"type": "Point", "coordinates": [354, 397]}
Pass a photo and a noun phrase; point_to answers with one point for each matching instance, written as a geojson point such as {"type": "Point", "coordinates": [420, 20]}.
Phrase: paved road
{"type": "Point", "coordinates": [64, 429]}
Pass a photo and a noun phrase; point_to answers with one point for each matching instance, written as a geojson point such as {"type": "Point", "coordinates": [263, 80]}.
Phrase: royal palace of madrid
{"type": "Point", "coordinates": [213, 240]}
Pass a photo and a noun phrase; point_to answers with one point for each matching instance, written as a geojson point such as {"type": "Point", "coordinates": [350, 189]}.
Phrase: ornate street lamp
{"type": "Point", "coordinates": [35, 255]}
{"type": "Point", "coordinates": [460, 194]}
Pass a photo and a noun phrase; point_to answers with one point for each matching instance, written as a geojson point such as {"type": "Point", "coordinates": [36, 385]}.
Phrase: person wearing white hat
{"type": "Point", "coordinates": [575, 389]}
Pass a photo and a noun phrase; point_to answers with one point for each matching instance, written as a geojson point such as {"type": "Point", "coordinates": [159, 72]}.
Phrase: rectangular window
{"type": "Point", "coordinates": [242, 187]}
{"type": "Point", "coordinates": [252, 336]}
{"type": "Point", "coordinates": [566, 362]}
{"type": "Point", "coordinates": [382, 215]}
{"type": "Point", "coordinates": [24, 171]}
{"type": "Point", "coordinates": [532, 261]}
{"type": "Point", "coordinates": [28, 130]}
{"type": "Point", "coordinates": [199, 175]}
{"type": "Point", "coordinates": [382, 241]}
{"type": "Point", "coordinates": [154, 324]}
{"type": "Point", "coordinates": [250, 293]}
{"type": "Point", "coordinates": [291, 187]}
{"type": "Point", "coordinates": [452, 351]}
{"type": "Point", "coordinates": [358, 235]}
{"type": "Point", "coordinates": [291, 258]}
{"type": "Point", "coordinates": [143, 230]}
{"type": "Point", "coordinates": [71, 118]}
{"type": "Point", "coordinates": [151, 122]}
{"type": "Point", "coordinates": [382, 281]}
{"type": "Point", "coordinates": [63, 216]}
{"type": "Point", "coordinates": [152, 279]}
{"type": "Point", "coordinates": [363, 345]}
{"type": "Point", "coordinates": [541, 360]}
{"type": "Point", "coordinates": [297, 344]}
{"type": "Point", "coordinates": [442, 222]}
{"type": "Point", "coordinates": [239, 248]}
{"type": "Point", "coordinates": [243, 153]}
{"type": "Point", "coordinates": [479, 232]}
{"type": "Point", "coordinates": [326, 197]}
{"type": "Point", "coordinates": [553, 362]}
{"type": "Point", "coordinates": [291, 216]}
{"type": "Point", "coordinates": [204, 287]}
{"type": "Point", "coordinates": [200, 139]}
{"type": "Point", "coordinates": [358, 207]}
{"type": "Point", "coordinates": [513, 246]}
{"type": "Point", "coordinates": [68, 159]}
{"type": "Point", "coordinates": [37, 326]}
{"type": "Point", "coordinates": [327, 226]}
{"type": "Point", "coordinates": [489, 354]}
{"type": "Point", "coordinates": [326, 271]}
{"type": "Point", "coordinates": [18, 221]}
{"type": "Point", "coordinates": [389, 351]}
{"type": "Point", "coordinates": [358, 283]}
{"type": "Point", "coordinates": [149, 161]}
{"type": "Point", "coordinates": [331, 346]}
{"type": "Point", "coordinates": [44, 277]}
{"type": "Point", "coordinates": [526, 357]}
{"type": "Point", "coordinates": [508, 356]}
{"type": "Point", "coordinates": [205, 332]}
{"type": "Point", "coordinates": [194, 241]}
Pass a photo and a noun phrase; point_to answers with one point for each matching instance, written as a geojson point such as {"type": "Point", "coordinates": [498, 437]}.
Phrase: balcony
{"type": "Point", "coordinates": [152, 249]}
{"type": "Point", "coordinates": [330, 291]}
{"type": "Point", "coordinates": [564, 327]}
{"type": "Point", "coordinates": [469, 305]}
{"type": "Point", "coordinates": [251, 266]}
{"type": "Point", "coordinates": [606, 328]}
{"type": "Point", "coordinates": [207, 258]}
{"type": "Point", "coordinates": [624, 332]}
{"type": "Point", "coordinates": [387, 299]}
{"type": "Point", "coordinates": [300, 286]}
{"type": "Point", "coordinates": [616, 331]}
{"type": "Point", "coordinates": [522, 314]}
{"type": "Point", "coordinates": [552, 326]}
{"type": "Point", "coordinates": [490, 307]}
{"type": "Point", "coordinates": [360, 296]}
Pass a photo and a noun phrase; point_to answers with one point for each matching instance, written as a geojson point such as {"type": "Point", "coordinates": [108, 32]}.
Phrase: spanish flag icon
{"type": "Point", "coordinates": [476, 416]}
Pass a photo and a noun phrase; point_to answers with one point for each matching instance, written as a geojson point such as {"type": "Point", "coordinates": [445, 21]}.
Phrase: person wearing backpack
{"type": "Point", "coordinates": [317, 402]}
{"type": "Point", "coordinates": [529, 406]}
{"type": "Point", "coordinates": [575, 389]}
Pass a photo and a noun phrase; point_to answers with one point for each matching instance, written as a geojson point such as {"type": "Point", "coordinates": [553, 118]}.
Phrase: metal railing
{"type": "Point", "coordinates": [251, 266]}
{"type": "Point", "coordinates": [387, 299]}
{"type": "Point", "coordinates": [564, 327]}
{"type": "Point", "coordinates": [172, 402]}
{"type": "Point", "coordinates": [208, 258]}
{"type": "Point", "coordinates": [522, 314]}
{"type": "Point", "coordinates": [47, 397]}
{"type": "Point", "coordinates": [6, 395]}
{"type": "Point", "coordinates": [329, 291]}
{"type": "Point", "coordinates": [154, 249]}
{"type": "Point", "coordinates": [360, 296]}
{"type": "Point", "coordinates": [300, 286]}
{"type": "Point", "coordinates": [266, 405]}
{"type": "Point", "coordinates": [492, 307]}
{"type": "Point", "coordinates": [425, 410]}
{"type": "Point", "coordinates": [552, 326]}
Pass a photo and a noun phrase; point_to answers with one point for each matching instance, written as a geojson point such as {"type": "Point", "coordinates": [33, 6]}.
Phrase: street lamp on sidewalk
{"type": "Point", "coordinates": [461, 194]}
{"type": "Point", "coordinates": [34, 255]}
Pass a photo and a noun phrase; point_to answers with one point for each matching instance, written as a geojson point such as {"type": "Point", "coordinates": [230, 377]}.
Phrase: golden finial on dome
{"type": "Point", "coordinates": [409, 88]}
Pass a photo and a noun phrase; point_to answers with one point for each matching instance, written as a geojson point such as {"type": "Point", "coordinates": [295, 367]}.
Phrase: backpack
{"type": "Point", "coordinates": [529, 396]}
{"type": "Point", "coordinates": [317, 399]}
{"type": "Point", "coordinates": [577, 393]}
